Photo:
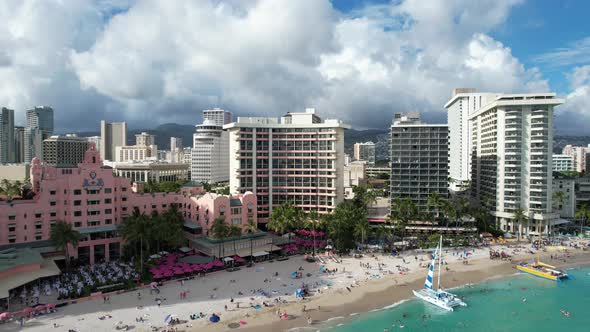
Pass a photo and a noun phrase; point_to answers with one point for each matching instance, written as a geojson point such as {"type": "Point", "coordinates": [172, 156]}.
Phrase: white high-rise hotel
{"type": "Point", "coordinates": [463, 103]}
{"type": "Point", "coordinates": [512, 144]}
{"type": "Point", "coordinates": [210, 153]}
{"type": "Point", "coordinates": [299, 160]}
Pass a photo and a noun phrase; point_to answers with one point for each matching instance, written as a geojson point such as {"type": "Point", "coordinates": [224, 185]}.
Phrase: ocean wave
{"type": "Point", "coordinates": [356, 313]}
{"type": "Point", "coordinates": [334, 318]}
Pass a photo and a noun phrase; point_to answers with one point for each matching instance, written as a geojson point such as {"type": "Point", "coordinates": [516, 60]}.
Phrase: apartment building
{"type": "Point", "coordinates": [419, 160]}
{"type": "Point", "coordinates": [210, 153]}
{"type": "Point", "coordinates": [562, 162]}
{"type": "Point", "coordinates": [512, 155]}
{"type": "Point", "coordinates": [64, 151]}
{"type": "Point", "coordinates": [298, 158]}
{"type": "Point", "coordinates": [218, 116]}
{"type": "Point", "coordinates": [112, 135]}
{"type": "Point", "coordinates": [365, 151]}
{"type": "Point", "coordinates": [7, 143]}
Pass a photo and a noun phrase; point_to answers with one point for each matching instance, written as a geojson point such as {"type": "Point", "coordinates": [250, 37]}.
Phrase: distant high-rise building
{"type": "Point", "coordinates": [218, 116]}
{"type": "Point", "coordinates": [298, 160]}
{"type": "Point", "coordinates": [39, 127]}
{"type": "Point", "coordinates": [96, 140]}
{"type": "Point", "coordinates": [6, 135]}
{"type": "Point", "coordinates": [562, 162]}
{"type": "Point", "coordinates": [111, 135]}
{"type": "Point", "coordinates": [64, 151]}
{"type": "Point", "coordinates": [512, 155]}
{"type": "Point", "coordinates": [19, 144]}
{"type": "Point", "coordinates": [578, 154]}
{"type": "Point", "coordinates": [136, 153]}
{"type": "Point", "coordinates": [176, 149]}
{"type": "Point", "coordinates": [464, 102]}
{"type": "Point", "coordinates": [210, 153]}
{"type": "Point", "coordinates": [365, 151]}
{"type": "Point", "coordinates": [145, 139]}
{"type": "Point", "coordinates": [419, 160]}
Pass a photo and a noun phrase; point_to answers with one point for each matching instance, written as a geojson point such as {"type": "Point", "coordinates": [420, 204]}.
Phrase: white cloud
{"type": "Point", "coordinates": [577, 52]}
{"type": "Point", "coordinates": [573, 117]}
{"type": "Point", "coordinates": [152, 61]}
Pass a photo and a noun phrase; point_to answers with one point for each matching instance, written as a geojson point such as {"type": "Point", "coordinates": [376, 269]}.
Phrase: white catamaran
{"type": "Point", "coordinates": [438, 297]}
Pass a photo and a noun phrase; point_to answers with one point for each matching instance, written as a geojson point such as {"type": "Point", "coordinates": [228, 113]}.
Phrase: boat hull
{"type": "Point", "coordinates": [430, 297]}
{"type": "Point", "coordinates": [533, 269]}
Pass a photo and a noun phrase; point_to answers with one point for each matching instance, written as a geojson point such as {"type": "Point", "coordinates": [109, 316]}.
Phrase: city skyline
{"type": "Point", "coordinates": [364, 57]}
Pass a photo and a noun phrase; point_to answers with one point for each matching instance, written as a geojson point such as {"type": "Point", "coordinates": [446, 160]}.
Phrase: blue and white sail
{"type": "Point", "coordinates": [429, 278]}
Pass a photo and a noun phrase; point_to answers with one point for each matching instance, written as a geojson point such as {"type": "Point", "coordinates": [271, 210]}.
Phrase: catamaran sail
{"type": "Point", "coordinates": [437, 297]}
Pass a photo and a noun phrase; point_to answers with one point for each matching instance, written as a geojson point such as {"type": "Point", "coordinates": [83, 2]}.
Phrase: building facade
{"type": "Point", "coordinates": [365, 151]}
{"type": "Point", "coordinates": [39, 127]}
{"type": "Point", "coordinates": [578, 155]}
{"type": "Point", "coordinates": [14, 172]}
{"type": "Point", "coordinates": [111, 135]}
{"type": "Point", "coordinates": [298, 159]}
{"type": "Point", "coordinates": [564, 196]}
{"type": "Point", "coordinates": [136, 153]}
{"type": "Point", "coordinates": [19, 144]}
{"type": "Point", "coordinates": [419, 160]}
{"type": "Point", "coordinates": [149, 170]}
{"type": "Point", "coordinates": [512, 156]}
{"type": "Point", "coordinates": [218, 116]}
{"type": "Point", "coordinates": [64, 151]}
{"type": "Point", "coordinates": [145, 139]}
{"type": "Point", "coordinates": [7, 154]}
{"type": "Point", "coordinates": [95, 202]}
{"type": "Point", "coordinates": [463, 103]}
{"type": "Point", "coordinates": [95, 140]}
{"type": "Point", "coordinates": [210, 153]}
{"type": "Point", "coordinates": [562, 162]}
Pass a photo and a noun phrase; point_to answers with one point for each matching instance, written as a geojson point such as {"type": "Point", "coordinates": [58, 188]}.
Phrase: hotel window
{"type": "Point", "coordinates": [124, 189]}
{"type": "Point", "coordinates": [236, 221]}
{"type": "Point", "coordinates": [52, 192]}
{"type": "Point", "coordinates": [38, 237]}
{"type": "Point", "coordinates": [12, 239]}
{"type": "Point", "coordinates": [77, 203]}
{"type": "Point", "coordinates": [164, 205]}
{"type": "Point", "coordinates": [108, 211]}
{"type": "Point", "coordinates": [38, 215]}
{"type": "Point", "coordinates": [12, 217]}
{"type": "Point", "coordinates": [77, 192]}
{"type": "Point", "coordinates": [93, 223]}
{"type": "Point", "coordinates": [108, 221]}
{"type": "Point", "coordinates": [77, 224]}
{"type": "Point", "coordinates": [52, 222]}
{"type": "Point", "coordinates": [77, 213]}
{"type": "Point", "coordinates": [107, 190]}
{"type": "Point", "coordinates": [108, 201]}
{"type": "Point", "coordinates": [53, 214]}
{"type": "Point", "coordinates": [52, 203]}
{"type": "Point", "coordinates": [38, 225]}
{"type": "Point", "coordinates": [11, 227]}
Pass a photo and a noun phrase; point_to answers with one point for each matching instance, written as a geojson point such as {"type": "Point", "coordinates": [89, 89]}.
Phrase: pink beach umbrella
{"type": "Point", "coordinates": [51, 305]}
{"type": "Point", "coordinates": [5, 315]}
{"type": "Point", "coordinates": [40, 307]}
{"type": "Point", "coordinates": [27, 310]}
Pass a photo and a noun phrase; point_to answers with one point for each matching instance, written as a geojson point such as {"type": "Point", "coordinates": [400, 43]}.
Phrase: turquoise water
{"type": "Point", "coordinates": [495, 305]}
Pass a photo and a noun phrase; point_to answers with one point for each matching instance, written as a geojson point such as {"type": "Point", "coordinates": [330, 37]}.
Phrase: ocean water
{"type": "Point", "coordinates": [494, 305]}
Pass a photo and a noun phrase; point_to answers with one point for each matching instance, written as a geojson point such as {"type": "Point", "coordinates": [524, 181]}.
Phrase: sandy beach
{"type": "Point", "coordinates": [360, 285]}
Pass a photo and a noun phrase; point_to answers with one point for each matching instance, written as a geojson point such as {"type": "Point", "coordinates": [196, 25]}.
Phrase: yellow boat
{"type": "Point", "coordinates": [543, 270]}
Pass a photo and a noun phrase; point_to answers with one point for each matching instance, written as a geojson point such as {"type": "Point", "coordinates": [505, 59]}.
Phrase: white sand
{"type": "Point", "coordinates": [84, 316]}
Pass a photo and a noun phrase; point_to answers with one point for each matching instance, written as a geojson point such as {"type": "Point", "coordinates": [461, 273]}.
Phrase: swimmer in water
{"type": "Point", "coordinates": [524, 299]}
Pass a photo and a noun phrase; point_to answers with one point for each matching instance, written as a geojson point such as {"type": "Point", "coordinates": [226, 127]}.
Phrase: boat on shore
{"type": "Point", "coordinates": [438, 297]}
{"type": "Point", "coordinates": [542, 270]}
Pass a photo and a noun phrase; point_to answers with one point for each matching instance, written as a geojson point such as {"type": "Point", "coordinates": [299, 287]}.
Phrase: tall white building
{"type": "Point", "coordinates": [145, 139]}
{"type": "Point", "coordinates": [298, 159]}
{"type": "Point", "coordinates": [365, 151]}
{"type": "Point", "coordinates": [218, 116]}
{"type": "Point", "coordinates": [6, 136]}
{"type": "Point", "coordinates": [578, 154]}
{"type": "Point", "coordinates": [176, 151]}
{"type": "Point", "coordinates": [512, 156]}
{"type": "Point", "coordinates": [463, 103]}
{"type": "Point", "coordinates": [39, 127]}
{"type": "Point", "coordinates": [210, 153]}
{"type": "Point", "coordinates": [111, 135]}
{"type": "Point", "coordinates": [562, 162]}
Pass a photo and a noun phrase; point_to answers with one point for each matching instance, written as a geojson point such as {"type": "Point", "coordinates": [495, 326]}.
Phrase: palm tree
{"type": "Point", "coordinates": [583, 214]}
{"type": "Point", "coordinates": [311, 223]}
{"type": "Point", "coordinates": [285, 218]}
{"type": "Point", "coordinates": [520, 218]}
{"type": "Point", "coordinates": [558, 200]}
{"type": "Point", "coordinates": [220, 230]}
{"type": "Point", "coordinates": [361, 228]}
{"type": "Point", "coordinates": [137, 229]}
{"type": "Point", "coordinates": [251, 227]}
{"type": "Point", "coordinates": [435, 201]}
{"type": "Point", "coordinates": [10, 189]}
{"type": "Point", "coordinates": [235, 232]}
{"type": "Point", "coordinates": [364, 196]}
{"type": "Point", "coordinates": [62, 235]}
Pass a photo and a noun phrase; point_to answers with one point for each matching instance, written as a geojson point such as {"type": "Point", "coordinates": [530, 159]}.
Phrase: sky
{"type": "Point", "coordinates": [150, 62]}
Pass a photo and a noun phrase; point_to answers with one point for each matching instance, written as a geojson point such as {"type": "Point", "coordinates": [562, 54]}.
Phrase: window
{"type": "Point", "coordinates": [12, 240]}
{"type": "Point", "coordinates": [236, 210]}
{"type": "Point", "coordinates": [52, 192]}
{"type": "Point", "coordinates": [77, 192]}
{"type": "Point", "coordinates": [108, 221]}
{"type": "Point", "coordinates": [236, 221]}
{"type": "Point", "coordinates": [108, 201]}
{"type": "Point", "coordinates": [124, 199]}
{"type": "Point", "coordinates": [164, 205]}
{"type": "Point", "coordinates": [108, 211]}
{"type": "Point", "coordinates": [38, 237]}
{"type": "Point", "coordinates": [77, 224]}
{"type": "Point", "coordinates": [11, 227]}
{"type": "Point", "coordinates": [93, 223]}
{"type": "Point", "coordinates": [38, 225]}
{"type": "Point", "coordinates": [124, 189]}
{"type": "Point", "coordinates": [38, 215]}
{"type": "Point", "coordinates": [77, 213]}
{"type": "Point", "coordinates": [77, 203]}
{"type": "Point", "coordinates": [53, 214]}
{"type": "Point", "coordinates": [52, 203]}
{"type": "Point", "coordinates": [11, 217]}
{"type": "Point", "coordinates": [108, 190]}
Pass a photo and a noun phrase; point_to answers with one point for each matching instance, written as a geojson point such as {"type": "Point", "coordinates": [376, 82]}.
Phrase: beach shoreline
{"type": "Point", "coordinates": [343, 306]}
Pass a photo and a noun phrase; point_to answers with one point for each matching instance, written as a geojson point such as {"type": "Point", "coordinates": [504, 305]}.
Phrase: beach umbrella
{"type": "Point", "coordinates": [214, 318]}
{"type": "Point", "coordinates": [5, 315]}
{"type": "Point", "coordinates": [40, 307]}
{"type": "Point", "coordinates": [51, 305]}
{"type": "Point", "coordinates": [27, 310]}
{"type": "Point", "coordinates": [168, 319]}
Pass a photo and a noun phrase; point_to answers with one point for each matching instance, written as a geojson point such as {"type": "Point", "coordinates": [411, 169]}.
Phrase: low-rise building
{"type": "Point", "coordinates": [354, 175]}
{"type": "Point", "coordinates": [562, 162]}
{"type": "Point", "coordinates": [95, 202]}
{"type": "Point", "coordinates": [150, 170]}
{"type": "Point", "coordinates": [564, 196]}
{"type": "Point", "coordinates": [135, 153]}
{"type": "Point", "coordinates": [14, 172]}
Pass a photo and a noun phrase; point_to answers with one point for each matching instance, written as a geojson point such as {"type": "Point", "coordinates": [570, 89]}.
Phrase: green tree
{"type": "Point", "coordinates": [364, 196]}
{"type": "Point", "coordinates": [583, 213]}
{"type": "Point", "coordinates": [250, 228]}
{"type": "Point", "coordinates": [221, 231]}
{"type": "Point", "coordinates": [10, 189]}
{"type": "Point", "coordinates": [361, 230]}
{"type": "Point", "coordinates": [137, 230]}
{"type": "Point", "coordinates": [434, 202]}
{"type": "Point", "coordinates": [312, 223]}
{"type": "Point", "coordinates": [285, 218]}
{"type": "Point", "coordinates": [235, 232]}
{"type": "Point", "coordinates": [62, 235]}
{"type": "Point", "coordinates": [342, 224]}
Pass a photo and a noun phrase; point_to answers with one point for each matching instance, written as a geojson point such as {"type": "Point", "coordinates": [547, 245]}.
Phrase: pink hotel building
{"type": "Point", "coordinates": [298, 159]}
{"type": "Point", "coordinates": [95, 202]}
